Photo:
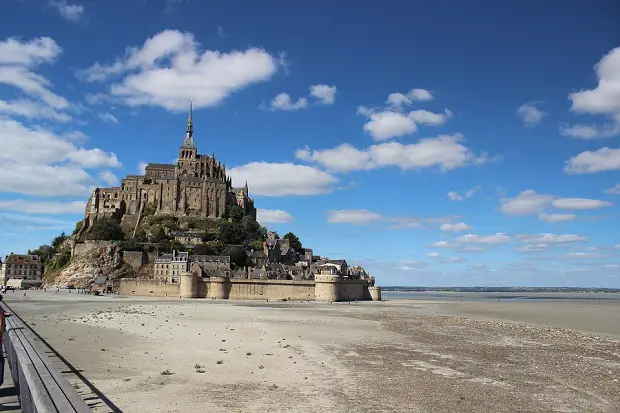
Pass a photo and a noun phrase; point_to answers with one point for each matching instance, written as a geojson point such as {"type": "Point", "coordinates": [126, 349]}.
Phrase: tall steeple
{"type": "Point", "coordinates": [188, 141]}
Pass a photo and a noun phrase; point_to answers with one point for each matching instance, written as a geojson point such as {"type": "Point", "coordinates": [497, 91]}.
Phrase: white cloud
{"type": "Point", "coordinates": [584, 255]}
{"type": "Point", "coordinates": [605, 98]}
{"type": "Point", "coordinates": [398, 100]}
{"type": "Point", "coordinates": [109, 178]}
{"type": "Point", "coordinates": [281, 179]}
{"type": "Point", "coordinates": [526, 203]}
{"type": "Point", "coordinates": [557, 217]}
{"type": "Point", "coordinates": [420, 95]}
{"type": "Point", "coordinates": [432, 255]}
{"type": "Point", "coordinates": [530, 114]}
{"type": "Point", "coordinates": [583, 131]}
{"type": "Point", "coordinates": [38, 162]}
{"type": "Point", "coordinates": [72, 12]}
{"type": "Point", "coordinates": [615, 190]}
{"type": "Point", "coordinates": [44, 180]}
{"type": "Point", "coordinates": [32, 53]}
{"type": "Point", "coordinates": [459, 226]}
{"type": "Point", "coordinates": [617, 247]}
{"type": "Point", "coordinates": [352, 216]}
{"type": "Point", "coordinates": [579, 203]}
{"type": "Point", "coordinates": [170, 67]}
{"type": "Point", "coordinates": [473, 239]}
{"type": "Point", "coordinates": [531, 203]}
{"type": "Point", "coordinates": [386, 125]}
{"type": "Point", "coordinates": [425, 117]}
{"type": "Point", "coordinates": [43, 207]}
{"type": "Point", "coordinates": [108, 117]}
{"type": "Point", "coordinates": [441, 244]}
{"type": "Point", "coordinates": [546, 238]}
{"type": "Point", "coordinates": [325, 93]}
{"type": "Point", "coordinates": [142, 168]}
{"type": "Point", "coordinates": [604, 159]}
{"type": "Point", "coordinates": [17, 61]}
{"type": "Point", "coordinates": [452, 260]}
{"type": "Point", "coordinates": [32, 109]}
{"type": "Point", "coordinates": [455, 196]}
{"type": "Point", "coordinates": [445, 152]}
{"type": "Point", "coordinates": [273, 216]}
{"type": "Point", "coordinates": [283, 102]}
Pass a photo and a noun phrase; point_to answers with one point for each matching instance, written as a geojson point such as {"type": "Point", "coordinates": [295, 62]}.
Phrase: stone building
{"type": "Point", "coordinates": [26, 270]}
{"type": "Point", "coordinates": [188, 238]}
{"type": "Point", "coordinates": [169, 267]}
{"type": "Point", "coordinates": [196, 185]}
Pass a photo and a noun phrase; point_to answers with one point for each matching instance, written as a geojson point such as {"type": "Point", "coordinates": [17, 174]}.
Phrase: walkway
{"type": "Point", "coordinates": [8, 392]}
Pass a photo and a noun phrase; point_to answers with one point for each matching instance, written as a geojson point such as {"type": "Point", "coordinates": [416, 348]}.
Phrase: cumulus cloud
{"type": "Point", "coordinates": [531, 203]}
{"type": "Point", "coordinates": [604, 159]}
{"type": "Point", "coordinates": [325, 93]}
{"type": "Point", "coordinates": [432, 255]}
{"type": "Point", "coordinates": [109, 178]}
{"type": "Point", "coordinates": [18, 59]}
{"type": "Point", "coordinates": [591, 131]}
{"type": "Point", "coordinates": [43, 207]}
{"type": "Point", "coordinates": [452, 260]}
{"type": "Point", "coordinates": [283, 102]}
{"type": "Point", "coordinates": [457, 227]}
{"type": "Point", "coordinates": [530, 114]}
{"type": "Point", "coordinates": [282, 179]}
{"type": "Point", "coordinates": [557, 217]}
{"type": "Point", "coordinates": [170, 67]}
{"type": "Point", "coordinates": [455, 196]}
{"type": "Point", "coordinates": [71, 12]}
{"type": "Point", "coordinates": [604, 99]}
{"type": "Point", "coordinates": [579, 203]}
{"type": "Point", "coordinates": [614, 190]}
{"type": "Point", "coordinates": [547, 238]}
{"type": "Point", "coordinates": [273, 216]}
{"type": "Point", "coordinates": [39, 162]}
{"type": "Point", "coordinates": [445, 152]}
{"type": "Point", "coordinates": [352, 216]}
{"type": "Point", "coordinates": [107, 117]}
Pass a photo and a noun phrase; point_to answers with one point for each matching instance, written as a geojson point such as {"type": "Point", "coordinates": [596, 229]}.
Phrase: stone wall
{"type": "Point", "coordinates": [271, 289]}
{"type": "Point", "coordinates": [135, 258]}
{"type": "Point", "coordinates": [330, 289]}
{"type": "Point", "coordinates": [148, 288]}
{"type": "Point", "coordinates": [88, 245]}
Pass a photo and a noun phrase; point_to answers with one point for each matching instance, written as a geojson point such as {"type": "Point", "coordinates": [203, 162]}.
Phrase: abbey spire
{"type": "Point", "coordinates": [188, 141]}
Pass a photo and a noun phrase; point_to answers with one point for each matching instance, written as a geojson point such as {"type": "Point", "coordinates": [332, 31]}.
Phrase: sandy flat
{"type": "Point", "coordinates": [402, 356]}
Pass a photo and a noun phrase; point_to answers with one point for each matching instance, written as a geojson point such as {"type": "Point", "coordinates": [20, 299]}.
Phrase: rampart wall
{"type": "Point", "coordinates": [148, 288]}
{"type": "Point", "coordinates": [331, 289]}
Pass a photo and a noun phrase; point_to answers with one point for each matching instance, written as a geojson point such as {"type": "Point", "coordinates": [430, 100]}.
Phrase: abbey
{"type": "Point", "coordinates": [197, 185]}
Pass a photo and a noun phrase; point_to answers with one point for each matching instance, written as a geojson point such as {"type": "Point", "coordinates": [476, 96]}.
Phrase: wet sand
{"type": "Point", "coordinates": [401, 356]}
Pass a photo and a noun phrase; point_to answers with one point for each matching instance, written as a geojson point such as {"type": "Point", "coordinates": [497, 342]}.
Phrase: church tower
{"type": "Point", "coordinates": [187, 151]}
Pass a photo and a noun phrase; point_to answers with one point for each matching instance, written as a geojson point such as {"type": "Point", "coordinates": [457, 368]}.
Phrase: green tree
{"type": "Point", "coordinates": [107, 229]}
{"type": "Point", "coordinates": [231, 233]}
{"type": "Point", "coordinates": [256, 245]}
{"type": "Point", "coordinates": [293, 241]}
{"type": "Point", "coordinates": [57, 241]}
{"type": "Point", "coordinates": [237, 255]}
{"type": "Point", "coordinates": [235, 212]}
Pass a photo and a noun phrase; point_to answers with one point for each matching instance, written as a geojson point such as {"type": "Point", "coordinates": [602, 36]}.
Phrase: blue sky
{"type": "Point", "coordinates": [434, 143]}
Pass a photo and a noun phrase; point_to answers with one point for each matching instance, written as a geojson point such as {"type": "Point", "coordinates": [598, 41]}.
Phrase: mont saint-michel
{"type": "Point", "coordinates": [183, 230]}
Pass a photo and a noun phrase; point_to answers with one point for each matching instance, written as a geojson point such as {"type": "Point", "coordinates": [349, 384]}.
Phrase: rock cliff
{"type": "Point", "coordinates": [83, 269]}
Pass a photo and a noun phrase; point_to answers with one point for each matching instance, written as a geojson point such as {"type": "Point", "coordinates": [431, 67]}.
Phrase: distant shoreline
{"type": "Point", "coordinates": [502, 289]}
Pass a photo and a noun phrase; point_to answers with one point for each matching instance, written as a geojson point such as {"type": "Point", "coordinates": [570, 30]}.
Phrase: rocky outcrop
{"type": "Point", "coordinates": [84, 268]}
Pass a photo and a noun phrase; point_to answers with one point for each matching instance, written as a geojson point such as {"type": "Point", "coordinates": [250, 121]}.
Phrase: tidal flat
{"type": "Point", "coordinates": [395, 356]}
